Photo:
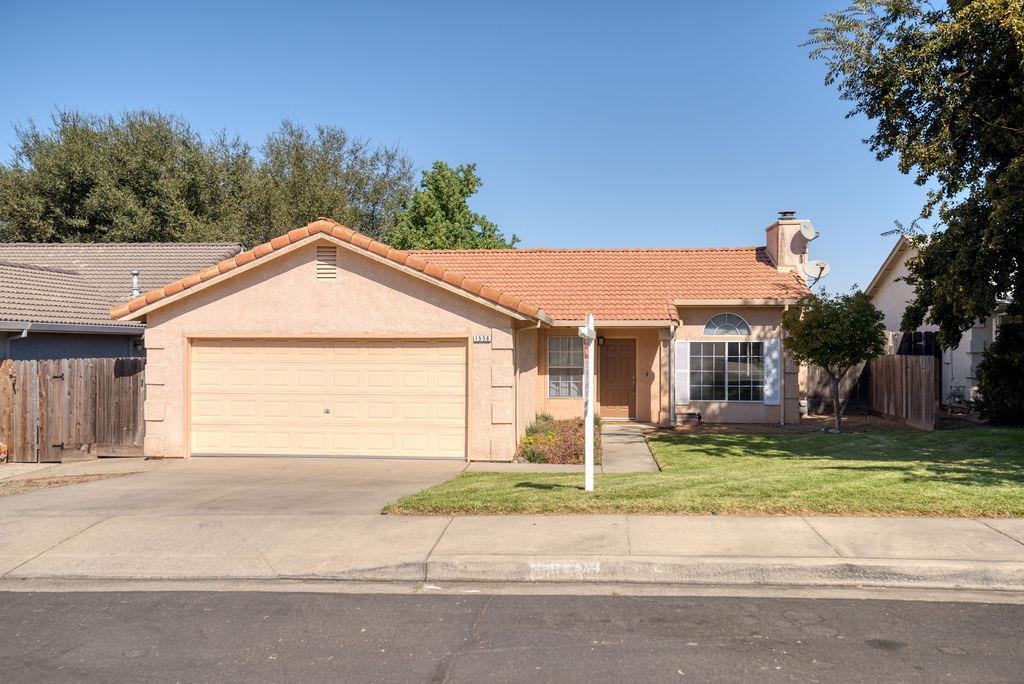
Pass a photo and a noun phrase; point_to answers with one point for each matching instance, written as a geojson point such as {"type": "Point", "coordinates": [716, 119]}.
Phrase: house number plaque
{"type": "Point", "coordinates": [481, 338]}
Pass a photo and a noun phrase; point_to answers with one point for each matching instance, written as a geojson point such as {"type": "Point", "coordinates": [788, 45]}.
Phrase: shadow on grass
{"type": "Point", "coordinates": [545, 485]}
{"type": "Point", "coordinates": [989, 457]}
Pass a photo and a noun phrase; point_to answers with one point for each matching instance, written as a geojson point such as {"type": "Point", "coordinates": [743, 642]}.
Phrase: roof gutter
{"type": "Point", "coordinates": [572, 323]}
{"type": "Point", "coordinates": [784, 301]}
{"type": "Point", "coordinates": [82, 328]}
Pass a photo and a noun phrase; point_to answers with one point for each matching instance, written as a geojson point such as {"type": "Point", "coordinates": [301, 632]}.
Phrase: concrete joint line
{"type": "Point", "coordinates": [816, 531]}
{"type": "Point", "coordinates": [430, 553]}
{"type": "Point", "coordinates": [52, 547]}
{"type": "Point", "coordinates": [996, 529]}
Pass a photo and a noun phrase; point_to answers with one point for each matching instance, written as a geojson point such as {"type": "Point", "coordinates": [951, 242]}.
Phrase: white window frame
{"type": "Point", "coordinates": [694, 390]}
{"type": "Point", "coordinates": [567, 347]}
{"type": "Point", "coordinates": [738, 323]}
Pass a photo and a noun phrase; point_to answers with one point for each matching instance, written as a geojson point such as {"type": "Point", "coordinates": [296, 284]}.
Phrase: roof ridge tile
{"type": "Point", "coordinates": [340, 232]}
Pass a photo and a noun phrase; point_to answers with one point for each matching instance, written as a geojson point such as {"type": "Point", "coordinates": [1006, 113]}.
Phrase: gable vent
{"type": "Point", "coordinates": [326, 262]}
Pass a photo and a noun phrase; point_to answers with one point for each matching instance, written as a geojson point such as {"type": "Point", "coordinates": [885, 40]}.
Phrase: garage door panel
{"type": "Point", "coordinates": [344, 397]}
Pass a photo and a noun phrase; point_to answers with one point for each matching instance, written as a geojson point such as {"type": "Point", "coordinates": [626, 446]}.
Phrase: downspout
{"type": "Point", "coordinates": [673, 421]}
{"type": "Point", "coordinates": [21, 336]}
{"type": "Point", "coordinates": [782, 367]}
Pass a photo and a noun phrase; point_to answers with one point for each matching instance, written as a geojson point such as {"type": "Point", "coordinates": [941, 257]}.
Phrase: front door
{"type": "Point", "coordinates": [617, 381]}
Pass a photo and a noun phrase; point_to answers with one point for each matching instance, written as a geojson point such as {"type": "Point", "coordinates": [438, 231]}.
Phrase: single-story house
{"type": "Point", "coordinates": [890, 293]}
{"type": "Point", "coordinates": [55, 298]}
{"type": "Point", "coordinates": [326, 342]}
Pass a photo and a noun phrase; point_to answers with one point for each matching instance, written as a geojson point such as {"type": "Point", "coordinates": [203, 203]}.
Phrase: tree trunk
{"type": "Point", "coordinates": [836, 411]}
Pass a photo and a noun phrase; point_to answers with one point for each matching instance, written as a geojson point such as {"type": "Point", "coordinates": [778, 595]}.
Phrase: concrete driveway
{"type": "Point", "coordinates": [239, 486]}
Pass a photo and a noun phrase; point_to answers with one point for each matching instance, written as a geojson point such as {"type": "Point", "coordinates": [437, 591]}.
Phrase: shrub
{"type": "Point", "coordinates": [543, 422]}
{"type": "Point", "coordinates": [556, 441]}
{"type": "Point", "coordinates": [1001, 377]}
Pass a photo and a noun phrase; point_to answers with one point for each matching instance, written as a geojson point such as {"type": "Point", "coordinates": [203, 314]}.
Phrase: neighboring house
{"type": "Point", "coordinates": [891, 294]}
{"type": "Point", "coordinates": [55, 299]}
{"type": "Point", "coordinates": [326, 342]}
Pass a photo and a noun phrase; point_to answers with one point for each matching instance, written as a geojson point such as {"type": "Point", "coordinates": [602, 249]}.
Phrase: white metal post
{"type": "Point", "coordinates": [589, 335]}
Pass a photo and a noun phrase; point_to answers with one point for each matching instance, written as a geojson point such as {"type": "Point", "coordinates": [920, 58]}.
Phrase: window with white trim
{"type": "Point", "coordinates": [727, 324]}
{"type": "Point", "coordinates": [565, 367]}
{"type": "Point", "coordinates": [726, 371]}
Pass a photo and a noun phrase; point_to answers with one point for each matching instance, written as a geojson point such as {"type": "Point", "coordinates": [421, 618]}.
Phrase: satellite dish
{"type": "Point", "coordinates": [807, 230]}
{"type": "Point", "coordinates": [817, 269]}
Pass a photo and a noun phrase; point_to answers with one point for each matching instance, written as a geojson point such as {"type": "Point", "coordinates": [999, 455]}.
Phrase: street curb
{"type": "Point", "coordinates": [817, 572]}
{"type": "Point", "coordinates": [1004, 576]}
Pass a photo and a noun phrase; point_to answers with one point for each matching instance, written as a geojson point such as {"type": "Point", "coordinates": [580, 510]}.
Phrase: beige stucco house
{"type": "Point", "coordinates": [890, 293]}
{"type": "Point", "coordinates": [325, 342]}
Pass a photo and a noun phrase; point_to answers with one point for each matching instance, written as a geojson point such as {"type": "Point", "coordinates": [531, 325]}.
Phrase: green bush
{"type": "Point", "coordinates": [543, 422]}
{"type": "Point", "coordinates": [556, 441]}
{"type": "Point", "coordinates": [1001, 377]}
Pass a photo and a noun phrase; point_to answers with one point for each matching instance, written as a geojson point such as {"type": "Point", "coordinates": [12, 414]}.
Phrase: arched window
{"type": "Point", "coordinates": [727, 324]}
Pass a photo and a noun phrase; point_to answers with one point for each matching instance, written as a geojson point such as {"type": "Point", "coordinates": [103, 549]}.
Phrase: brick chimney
{"type": "Point", "coordinates": [786, 244]}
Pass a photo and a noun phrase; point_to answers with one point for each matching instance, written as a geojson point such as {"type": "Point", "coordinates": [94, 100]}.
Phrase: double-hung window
{"type": "Point", "coordinates": [565, 367]}
{"type": "Point", "coordinates": [727, 371]}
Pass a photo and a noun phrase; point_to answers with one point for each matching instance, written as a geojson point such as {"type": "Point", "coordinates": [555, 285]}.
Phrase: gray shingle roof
{"type": "Point", "coordinates": [78, 283]}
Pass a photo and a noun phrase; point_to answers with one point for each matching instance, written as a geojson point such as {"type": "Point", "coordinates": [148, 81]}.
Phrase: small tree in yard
{"type": "Point", "coordinates": [1001, 377]}
{"type": "Point", "coordinates": [835, 332]}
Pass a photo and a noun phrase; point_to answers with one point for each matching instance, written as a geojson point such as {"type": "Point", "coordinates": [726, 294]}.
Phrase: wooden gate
{"type": "Point", "coordinates": [50, 407]}
{"type": "Point", "coordinates": [906, 387]}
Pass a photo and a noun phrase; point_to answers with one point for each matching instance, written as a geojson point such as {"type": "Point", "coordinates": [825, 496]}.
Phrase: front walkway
{"type": "Point", "coordinates": [623, 450]}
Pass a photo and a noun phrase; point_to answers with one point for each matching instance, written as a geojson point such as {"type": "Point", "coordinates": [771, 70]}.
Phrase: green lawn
{"type": "Point", "coordinates": [968, 472]}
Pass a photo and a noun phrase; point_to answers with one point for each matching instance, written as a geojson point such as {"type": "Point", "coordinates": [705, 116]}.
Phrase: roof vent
{"type": "Point", "coordinates": [326, 262]}
{"type": "Point", "coordinates": [135, 284]}
{"type": "Point", "coordinates": [787, 214]}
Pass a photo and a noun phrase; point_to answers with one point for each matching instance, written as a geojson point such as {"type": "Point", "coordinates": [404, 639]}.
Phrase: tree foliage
{"type": "Point", "coordinates": [944, 84]}
{"type": "Point", "coordinates": [835, 332]}
{"type": "Point", "coordinates": [143, 177]}
{"type": "Point", "coordinates": [146, 176]}
{"type": "Point", "coordinates": [439, 217]}
{"type": "Point", "coordinates": [1001, 377]}
{"type": "Point", "coordinates": [305, 175]}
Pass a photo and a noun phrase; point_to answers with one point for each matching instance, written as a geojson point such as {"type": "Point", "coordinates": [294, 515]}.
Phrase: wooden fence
{"type": "Point", "coordinates": [906, 387]}
{"type": "Point", "coordinates": [896, 386]}
{"type": "Point", "coordinates": [48, 408]}
{"type": "Point", "coordinates": [854, 394]}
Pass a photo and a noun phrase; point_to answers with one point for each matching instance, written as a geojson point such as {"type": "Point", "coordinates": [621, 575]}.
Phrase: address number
{"type": "Point", "coordinates": [481, 338]}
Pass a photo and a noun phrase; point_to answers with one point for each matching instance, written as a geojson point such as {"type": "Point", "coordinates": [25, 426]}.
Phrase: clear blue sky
{"type": "Point", "coordinates": [593, 123]}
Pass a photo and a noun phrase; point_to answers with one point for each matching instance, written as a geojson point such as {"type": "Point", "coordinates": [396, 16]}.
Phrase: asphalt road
{"type": "Point", "coordinates": [254, 637]}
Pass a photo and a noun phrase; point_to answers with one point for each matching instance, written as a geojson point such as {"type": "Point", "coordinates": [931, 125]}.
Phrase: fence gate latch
{"type": "Point", "coordinates": [57, 377]}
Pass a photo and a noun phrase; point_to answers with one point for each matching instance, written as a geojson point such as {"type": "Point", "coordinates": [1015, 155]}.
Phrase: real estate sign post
{"type": "Point", "coordinates": [588, 334]}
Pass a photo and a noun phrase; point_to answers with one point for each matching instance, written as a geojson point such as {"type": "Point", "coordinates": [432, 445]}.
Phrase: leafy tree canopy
{"type": "Point", "coordinates": [305, 175]}
{"type": "Point", "coordinates": [146, 176]}
{"type": "Point", "coordinates": [836, 332]}
{"type": "Point", "coordinates": [439, 217]}
{"type": "Point", "coordinates": [944, 83]}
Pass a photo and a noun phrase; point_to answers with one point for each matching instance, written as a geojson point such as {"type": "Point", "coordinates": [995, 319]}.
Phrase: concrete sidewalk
{"type": "Point", "coordinates": [783, 551]}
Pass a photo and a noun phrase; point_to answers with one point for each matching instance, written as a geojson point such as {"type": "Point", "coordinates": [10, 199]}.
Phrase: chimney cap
{"type": "Point", "coordinates": [787, 214]}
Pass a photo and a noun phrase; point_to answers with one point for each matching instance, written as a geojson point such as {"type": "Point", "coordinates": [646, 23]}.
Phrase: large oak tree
{"type": "Point", "coordinates": [944, 84]}
{"type": "Point", "coordinates": [147, 176]}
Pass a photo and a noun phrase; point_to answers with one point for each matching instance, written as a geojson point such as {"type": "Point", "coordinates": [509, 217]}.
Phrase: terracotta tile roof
{"type": "Point", "coordinates": [77, 283]}
{"type": "Point", "coordinates": [623, 284]}
{"type": "Point", "coordinates": [423, 263]}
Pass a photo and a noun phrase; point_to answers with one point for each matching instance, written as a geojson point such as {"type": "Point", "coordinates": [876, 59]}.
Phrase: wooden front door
{"type": "Point", "coordinates": [617, 381]}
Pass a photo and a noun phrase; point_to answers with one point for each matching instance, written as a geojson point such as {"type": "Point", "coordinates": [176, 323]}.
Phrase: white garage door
{"type": "Point", "coordinates": [328, 397]}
